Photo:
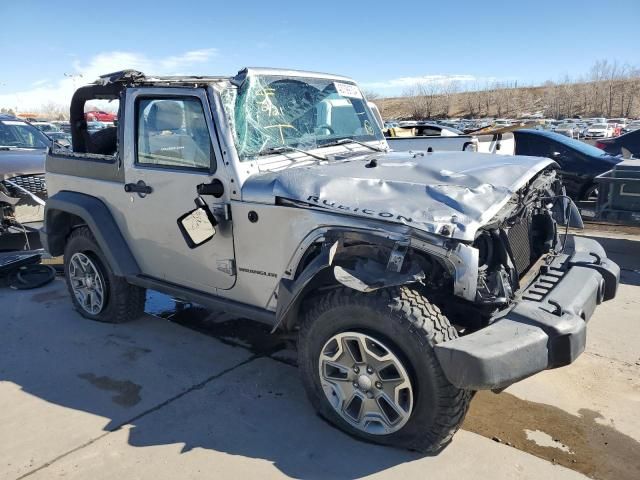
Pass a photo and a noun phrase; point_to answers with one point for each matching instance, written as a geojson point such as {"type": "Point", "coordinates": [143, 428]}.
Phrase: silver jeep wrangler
{"type": "Point", "coordinates": [409, 279]}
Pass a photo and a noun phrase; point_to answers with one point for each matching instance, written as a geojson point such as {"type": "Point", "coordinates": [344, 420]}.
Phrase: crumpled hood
{"type": "Point", "coordinates": [14, 163]}
{"type": "Point", "coordinates": [462, 190]}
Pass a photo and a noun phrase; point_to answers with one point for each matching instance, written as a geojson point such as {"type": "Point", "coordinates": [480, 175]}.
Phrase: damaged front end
{"type": "Point", "coordinates": [537, 288]}
{"type": "Point", "coordinates": [520, 237]}
{"type": "Point", "coordinates": [7, 209]}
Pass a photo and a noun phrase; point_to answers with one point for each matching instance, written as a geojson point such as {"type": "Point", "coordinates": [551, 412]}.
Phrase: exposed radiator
{"type": "Point", "coordinates": [519, 237]}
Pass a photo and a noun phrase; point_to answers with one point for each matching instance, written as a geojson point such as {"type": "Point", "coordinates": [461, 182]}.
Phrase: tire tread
{"type": "Point", "coordinates": [428, 326]}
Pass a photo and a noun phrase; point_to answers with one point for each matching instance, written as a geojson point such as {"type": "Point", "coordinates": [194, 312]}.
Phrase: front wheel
{"type": "Point", "coordinates": [590, 193]}
{"type": "Point", "coordinates": [368, 366]}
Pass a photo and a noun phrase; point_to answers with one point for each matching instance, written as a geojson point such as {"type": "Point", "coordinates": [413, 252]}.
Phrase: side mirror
{"type": "Point", "coordinates": [555, 154]}
{"type": "Point", "coordinates": [197, 226]}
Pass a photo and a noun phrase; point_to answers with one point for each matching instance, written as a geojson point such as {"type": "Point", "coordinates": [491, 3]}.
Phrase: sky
{"type": "Point", "coordinates": [50, 48]}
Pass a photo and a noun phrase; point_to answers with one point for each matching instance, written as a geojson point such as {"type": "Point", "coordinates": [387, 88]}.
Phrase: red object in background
{"type": "Point", "coordinates": [600, 145]}
{"type": "Point", "coordinates": [100, 116]}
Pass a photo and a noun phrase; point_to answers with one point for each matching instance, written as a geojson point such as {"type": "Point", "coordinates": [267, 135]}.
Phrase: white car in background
{"type": "Point", "coordinates": [502, 122]}
{"type": "Point", "coordinates": [571, 130]}
{"type": "Point", "coordinates": [599, 130]}
{"type": "Point", "coordinates": [632, 126]}
{"type": "Point", "coordinates": [46, 127]}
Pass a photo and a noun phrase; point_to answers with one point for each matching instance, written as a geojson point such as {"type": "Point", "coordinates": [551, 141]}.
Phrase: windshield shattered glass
{"type": "Point", "coordinates": [270, 112]}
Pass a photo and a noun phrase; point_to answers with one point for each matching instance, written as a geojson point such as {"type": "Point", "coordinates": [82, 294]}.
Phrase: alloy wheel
{"type": "Point", "coordinates": [87, 283]}
{"type": "Point", "coordinates": [365, 383]}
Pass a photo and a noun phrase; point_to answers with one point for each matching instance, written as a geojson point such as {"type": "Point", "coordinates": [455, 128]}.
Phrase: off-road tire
{"type": "Point", "coordinates": [123, 301]}
{"type": "Point", "coordinates": [410, 325]}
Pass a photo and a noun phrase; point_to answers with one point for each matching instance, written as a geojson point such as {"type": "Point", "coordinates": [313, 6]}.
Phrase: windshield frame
{"type": "Point", "coordinates": [236, 98]}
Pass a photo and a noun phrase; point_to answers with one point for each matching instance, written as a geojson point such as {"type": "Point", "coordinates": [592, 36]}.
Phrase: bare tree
{"type": "Point", "coordinates": [447, 95]}
{"type": "Point", "coordinates": [54, 111]}
{"type": "Point", "coordinates": [370, 94]}
{"type": "Point", "coordinates": [423, 100]}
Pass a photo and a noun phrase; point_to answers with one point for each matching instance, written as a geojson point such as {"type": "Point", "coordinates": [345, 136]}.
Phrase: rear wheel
{"type": "Point", "coordinates": [96, 292]}
{"type": "Point", "coordinates": [368, 366]}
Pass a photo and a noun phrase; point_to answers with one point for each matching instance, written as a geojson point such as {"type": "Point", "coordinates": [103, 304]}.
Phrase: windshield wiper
{"type": "Point", "coordinates": [289, 148]}
{"type": "Point", "coordinates": [344, 141]}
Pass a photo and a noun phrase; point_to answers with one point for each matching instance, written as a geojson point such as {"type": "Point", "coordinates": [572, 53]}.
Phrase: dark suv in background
{"type": "Point", "coordinates": [579, 162]}
{"type": "Point", "coordinates": [22, 154]}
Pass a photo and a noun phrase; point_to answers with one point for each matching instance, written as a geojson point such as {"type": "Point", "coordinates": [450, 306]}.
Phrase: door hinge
{"type": "Point", "coordinates": [227, 266]}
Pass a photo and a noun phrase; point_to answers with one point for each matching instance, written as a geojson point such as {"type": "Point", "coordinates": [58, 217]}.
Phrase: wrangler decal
{"type": "Point", "coordinates": [258, 272]}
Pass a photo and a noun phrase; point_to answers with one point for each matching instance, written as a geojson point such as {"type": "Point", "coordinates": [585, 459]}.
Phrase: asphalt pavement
{"type": "Point", "coordinates": [186, 393]}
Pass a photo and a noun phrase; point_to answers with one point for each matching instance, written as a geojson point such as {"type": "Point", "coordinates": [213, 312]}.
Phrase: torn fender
{"type": "Point", "coordinates": [365, 275]}
{"type": "Point", "coordinates": [290, 290]}
{"type": "Point", "coordinates": [369, 275]}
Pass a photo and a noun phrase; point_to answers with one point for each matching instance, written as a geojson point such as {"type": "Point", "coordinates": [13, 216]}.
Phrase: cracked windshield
{"type": "Point", "coordinates": [272, 114]}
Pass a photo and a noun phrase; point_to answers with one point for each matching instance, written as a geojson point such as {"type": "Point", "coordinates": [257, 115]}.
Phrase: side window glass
{"type": "Point", "coordinates": [539, 147]}
{"type": "Point", "coordinates": [173, 132]}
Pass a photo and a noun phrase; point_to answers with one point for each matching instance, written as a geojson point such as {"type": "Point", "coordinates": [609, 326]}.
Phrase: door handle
{"type": "Point", "coordinates": [141, 188]}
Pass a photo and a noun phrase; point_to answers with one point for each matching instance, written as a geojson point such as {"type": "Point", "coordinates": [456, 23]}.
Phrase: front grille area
{"type": "Point", "coordinates": [32, 183]}
{"type": "Point", "coordinates": [519, 237]}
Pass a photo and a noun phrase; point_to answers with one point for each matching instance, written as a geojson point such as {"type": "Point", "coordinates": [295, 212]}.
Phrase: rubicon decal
{"type": "Point", "coordinates": [314, 199]}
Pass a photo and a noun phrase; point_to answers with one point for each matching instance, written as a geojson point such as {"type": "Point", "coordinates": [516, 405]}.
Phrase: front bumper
{"type": "Point", "coordinates": [544, 328]}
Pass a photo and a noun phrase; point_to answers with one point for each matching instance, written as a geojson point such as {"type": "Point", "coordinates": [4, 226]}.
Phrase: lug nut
{"type": "Point", "coordinates": [369, 370]}
{"type": "Point", "coordinates": [379, 385]}
{"type": "Point", "coordinates": [356, 369]}
{"type": "Point", "coordinates": [355, 384]}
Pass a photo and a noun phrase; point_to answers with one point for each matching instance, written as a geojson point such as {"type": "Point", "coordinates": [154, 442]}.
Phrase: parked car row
{"type": "Point", "coordinates": [591, 128]}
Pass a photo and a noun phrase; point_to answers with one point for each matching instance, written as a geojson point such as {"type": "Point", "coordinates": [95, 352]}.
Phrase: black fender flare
{"type": "Point", "coordinates": [365, 277]}
{"type": "Point", "coordinates": [59, 213]}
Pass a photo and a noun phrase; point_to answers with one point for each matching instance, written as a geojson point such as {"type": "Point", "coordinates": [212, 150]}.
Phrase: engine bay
{"type": "Point", "coordinates": [516, 238]}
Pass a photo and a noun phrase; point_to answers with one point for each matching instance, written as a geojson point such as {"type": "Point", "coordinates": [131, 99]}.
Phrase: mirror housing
{"type": "Point", "coordinates": [215, 188]}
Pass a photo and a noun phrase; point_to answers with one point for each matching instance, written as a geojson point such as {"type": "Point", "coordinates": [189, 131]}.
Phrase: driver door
{"type": "Point", "coordinates": [169, 151]}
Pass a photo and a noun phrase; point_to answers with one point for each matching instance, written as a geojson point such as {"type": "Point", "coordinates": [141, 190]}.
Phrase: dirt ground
{"type": "Point", "coordinates": [189, 393]}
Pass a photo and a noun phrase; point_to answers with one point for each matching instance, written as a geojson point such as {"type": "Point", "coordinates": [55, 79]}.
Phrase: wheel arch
{"type": "Point", "coordinates": [66, 211]}
{"type": "Point", "coordinates": [316, 268]}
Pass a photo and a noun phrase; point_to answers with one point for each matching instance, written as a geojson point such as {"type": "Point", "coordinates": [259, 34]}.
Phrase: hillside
{"type": "Point", "coordinates": [604, 98]}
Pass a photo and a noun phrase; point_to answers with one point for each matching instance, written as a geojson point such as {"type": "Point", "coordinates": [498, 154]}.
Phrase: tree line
{"type": "Point", "coordinates": [609, 89]}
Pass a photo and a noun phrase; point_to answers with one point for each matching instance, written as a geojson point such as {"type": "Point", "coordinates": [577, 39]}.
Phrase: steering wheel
{"type": "Point", "coordinates": [328, 127]}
